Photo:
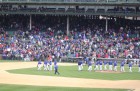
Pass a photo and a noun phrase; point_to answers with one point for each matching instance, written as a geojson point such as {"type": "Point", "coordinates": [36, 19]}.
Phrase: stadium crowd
{"type": "Point", "coordinates": [87, 38]}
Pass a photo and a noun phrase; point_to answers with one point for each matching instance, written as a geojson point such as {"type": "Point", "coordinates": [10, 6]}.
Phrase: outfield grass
{"type": "Point", "coordinates": [71, 71]}
{"type": "Point", "coordinates": [7, 87]}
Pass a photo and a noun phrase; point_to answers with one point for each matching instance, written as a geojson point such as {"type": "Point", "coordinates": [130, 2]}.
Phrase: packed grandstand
{"type": "Point", "coordinates": [48, 36]}
{"type": "Point", "coordinates": [33, 36]}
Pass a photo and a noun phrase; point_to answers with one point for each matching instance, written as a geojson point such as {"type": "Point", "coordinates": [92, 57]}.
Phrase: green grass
{"type": "Point", "coordinates": [8, 87]}
{"type": "Point", "coordinates": [71, 71]}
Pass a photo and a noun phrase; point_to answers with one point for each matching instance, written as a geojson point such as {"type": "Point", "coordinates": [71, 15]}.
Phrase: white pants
{"type": "Point", "coordinates": [115, 68]}
{"type": "Point", "coordinates": [46, 67]}
{"type": "Point", "coordinates": [105, 67]}
{"type": "Point", "coordinates": [50, 67]}
{"type": "Point", "coordinates": [110, 67]}
{"type": "Point", "coordinates": [96, 67]}
{"type": "Point", "coordinates": [39, 67]}
{"type": "Point", "coordinates": [90, 68]}
{"type": "Point", "coordinates": [79, 68]}
{"type": "Point", "coordinates": [130, 69]}
{"type": "Point", "coordinates": [122, 69]}
{"type": "Point", "coordinates": [139, 69]}
{"type": "Point", "coordinates": [100, 67]}
{"type": "Point", "coordinates": [60, 60]}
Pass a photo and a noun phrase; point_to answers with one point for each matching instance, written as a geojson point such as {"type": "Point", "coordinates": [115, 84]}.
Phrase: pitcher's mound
{"type": "Point", "coordinates": [108, 71]}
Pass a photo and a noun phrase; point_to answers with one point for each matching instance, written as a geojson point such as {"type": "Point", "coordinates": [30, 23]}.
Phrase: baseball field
{"type": "Point", "coordinates": [23, 76]}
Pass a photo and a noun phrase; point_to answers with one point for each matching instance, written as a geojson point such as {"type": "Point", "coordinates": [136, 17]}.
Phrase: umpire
{"type": "Point", "coordinates": [56, 67]}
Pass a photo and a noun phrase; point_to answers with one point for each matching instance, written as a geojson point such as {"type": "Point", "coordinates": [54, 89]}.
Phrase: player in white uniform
{"type": "Point", "coordinates": [122, 66]}
{"type": "Point", "coordinates": [39, 65]}
{"type": "Point", "coordinates": [105, 65]}
{"type": "Point", "coordinates": [96, 65]}
{"type": "Point", "coordinates": [89, 66]}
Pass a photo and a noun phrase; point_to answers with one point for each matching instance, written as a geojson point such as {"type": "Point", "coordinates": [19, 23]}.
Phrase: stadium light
{"type": "Point", "coordinates": [101, 17]}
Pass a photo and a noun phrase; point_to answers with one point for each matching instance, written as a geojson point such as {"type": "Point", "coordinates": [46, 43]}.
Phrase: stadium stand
{"type": "Point", "coordinates": [69, 29]}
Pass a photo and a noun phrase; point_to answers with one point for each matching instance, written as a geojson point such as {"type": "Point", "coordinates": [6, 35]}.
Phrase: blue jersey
{"type": "Point", "coordinates": [39, 62]}
{"type": "Point", "coordinates": [105, 62]}
{"type": "Point", "coordinates": [100, 62]}
{"type": "Point", "coordinates": [139, 64]}
{"type": "Point", "coordinates": [115, 63]}
{"type": "Point", "coordinates": [55, 62]}
{"type": "Point", "coordinates": [50, 62]}
{"type": "Point", "coordinates": [79, 62]}
{"type": "Point", "coordinates": [130, 64]}
{"type": "Point", "coordinates": [45, 62]}
{"type": "Point", "coordinates": [89, 63]}
{"type": "Point", "coordinates": [110, 63]}
{"type": "Point", "coordinates": [122, 63]}
{"type": "Point", "coordinates": [56, 67]}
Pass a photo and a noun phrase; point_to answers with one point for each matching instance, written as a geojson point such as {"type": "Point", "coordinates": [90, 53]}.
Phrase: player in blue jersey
{"type": "Point", "coordinates": [96, 65]}
{"type": "Point", "coordinates": [130, 66]}
{"type": "Point", "coordinates": [105, 65]}
{"type": "Point", "coordinates": [55, 61]}
{"type": "Point", "coordinates": [79, 65]}
{"type": "Point", "coordinates": [39, 65]}
{"type": "Point", "coordinates": [100, 63]}
{"type": "Point", "coordinates": [115, 65]}
{"type": "Point", "coordinates": [110, 65]}
{"type": "Point", "coordinates": [45, 64]}
{"type": "Point", "coordinates": [89, 66]}
{"type": "Point", "coordinates": [56, 69]}
{"type": "Point", "coordinates": [122, 66]}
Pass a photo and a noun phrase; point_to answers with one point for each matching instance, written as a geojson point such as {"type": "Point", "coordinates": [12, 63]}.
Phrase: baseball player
{"type": "Point", "coordinates": [45, 65]}
{"type": "Point", "coordinates": [79, 65]}
{"type": "Point", "coordinates": [39, 65]}
{"type": "Point", "coordinates": [96, 65]}
{"type": "Point", "coordinates": [50, 62]}
{"type": "Point", "coordinates": [56, 69]}
{"type": "Point", "coordinates": [89, 66]}
{"type": "Point", "coordinates": [115, 65]}
{"type": "Point", "coordinates": [105, 65]}
{"type": "Point", "coordinates": [139, 66]}
{"type": "Point", "coordinates": [100, 63]}
{"type": "Point", "coordinates": [122, 66]}
{"type": "Point", "coordinates": [55, 61]}
{"type": "Point", "coordinates": [110, 65]}
{"type": "Point", "coordinates": [130, 66]}
{"type": "Point", "coordinates": [50, 65]}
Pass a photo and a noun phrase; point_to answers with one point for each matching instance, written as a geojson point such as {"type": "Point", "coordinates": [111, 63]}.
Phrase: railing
{"type": "Point", "coordinates": [71, 12]}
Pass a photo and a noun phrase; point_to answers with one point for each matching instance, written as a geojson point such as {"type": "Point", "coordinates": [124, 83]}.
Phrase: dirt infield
{"type": "Point", "coordinates": [21, 79]}
{"type": "Point", "coordinates": [103, 71]}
